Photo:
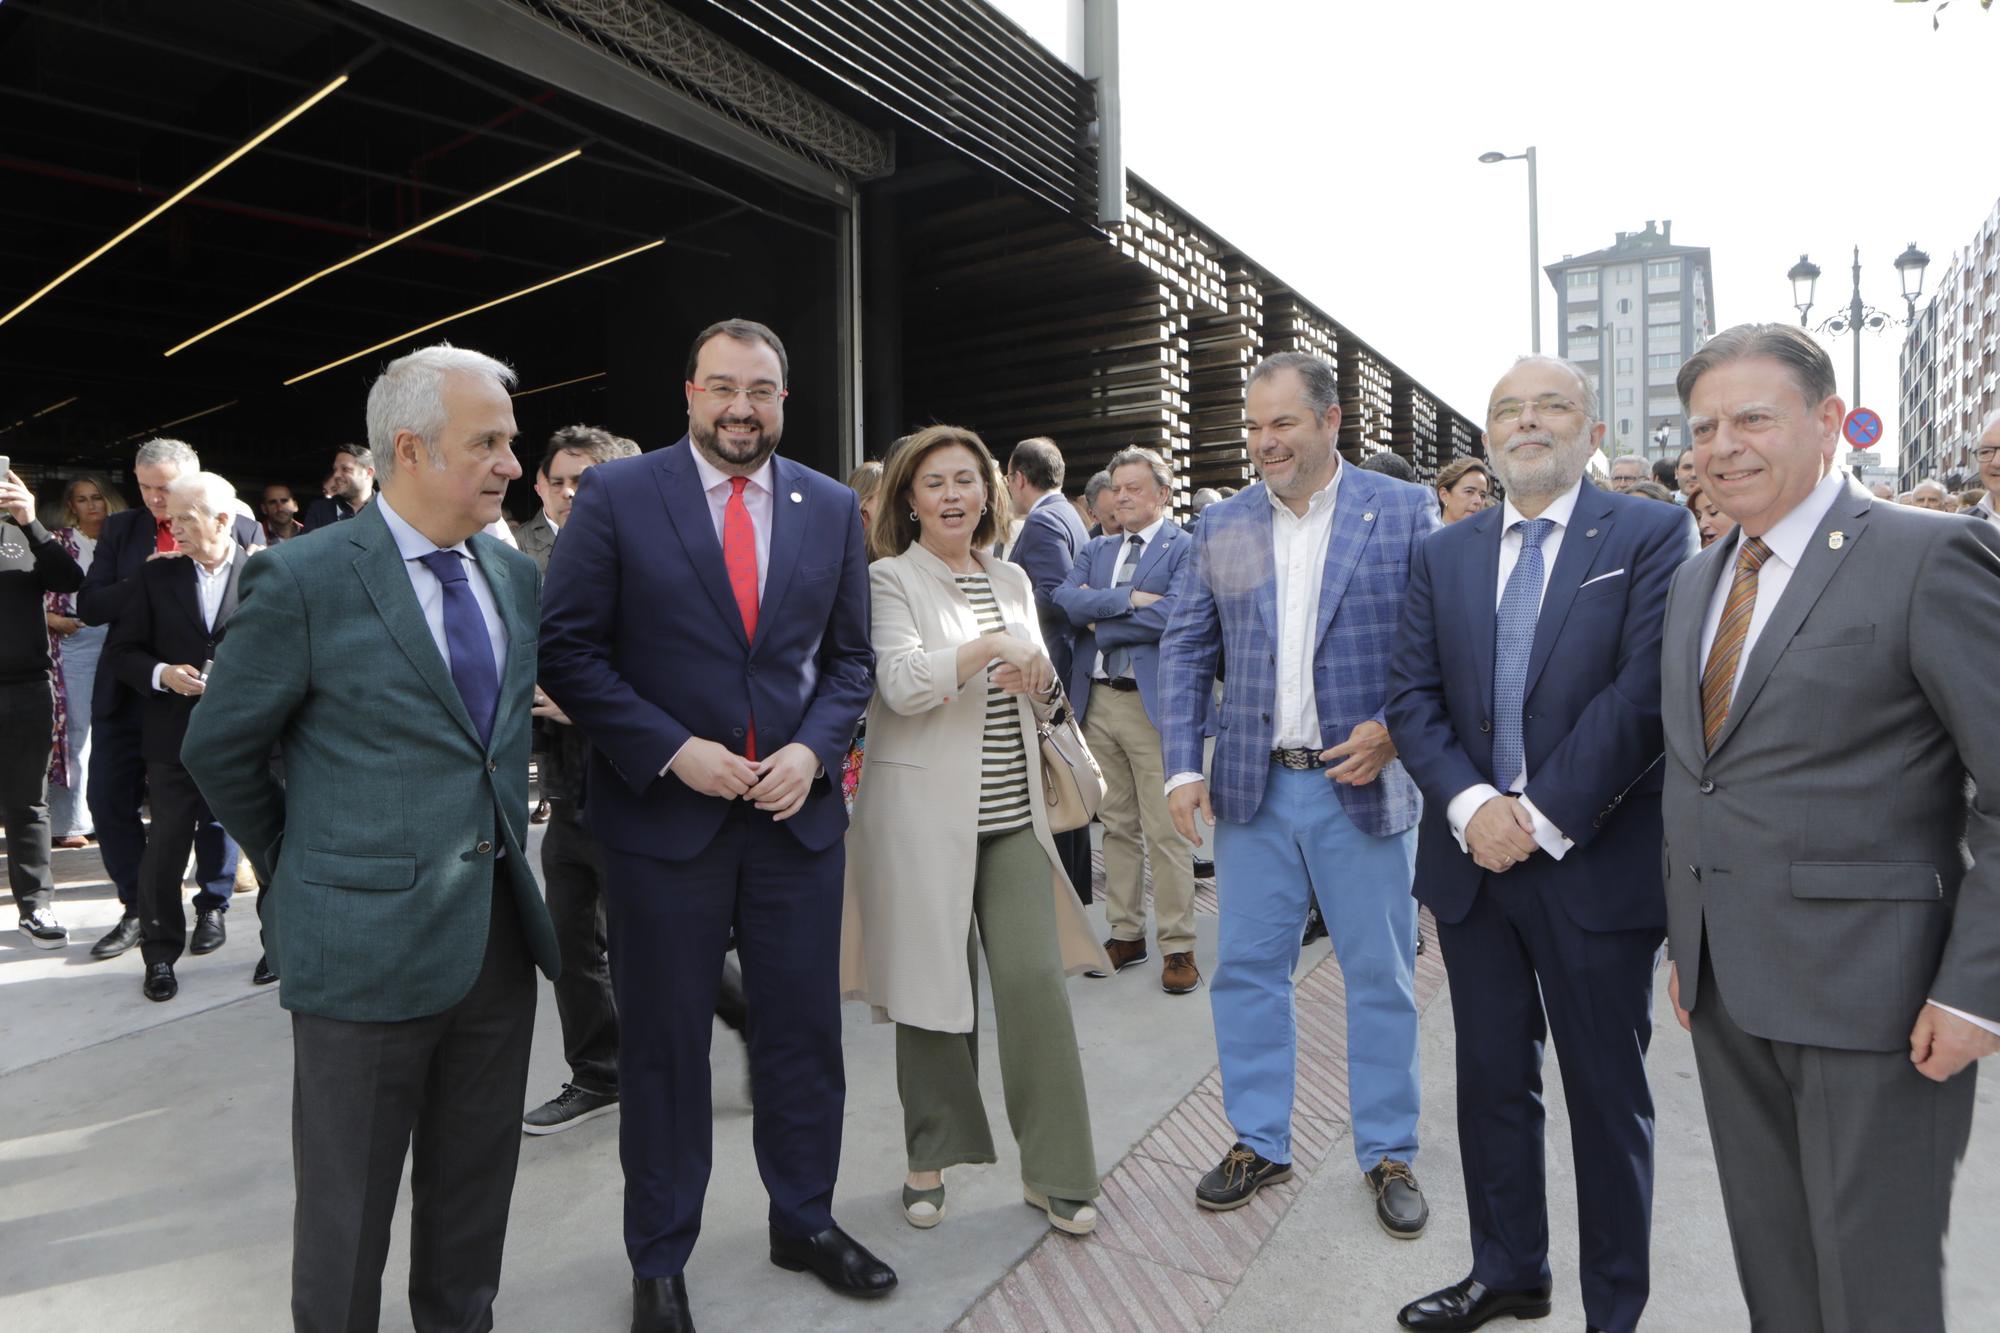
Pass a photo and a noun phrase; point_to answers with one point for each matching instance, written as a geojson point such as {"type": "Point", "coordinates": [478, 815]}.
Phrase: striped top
{"type": "Point", "coordinates": [1003, 768]}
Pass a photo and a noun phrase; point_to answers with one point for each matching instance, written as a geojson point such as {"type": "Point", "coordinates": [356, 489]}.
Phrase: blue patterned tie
{"type": "Point", "coordinates": [1118, 661]}
{"type": "Point", "coordinates": [1513, 641]}
{"type": "Point", "coordinates": [472, 668]}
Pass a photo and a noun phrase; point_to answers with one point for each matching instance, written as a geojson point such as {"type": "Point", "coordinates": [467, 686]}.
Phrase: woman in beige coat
{"type": "Point", "coordinates": [950, 830]}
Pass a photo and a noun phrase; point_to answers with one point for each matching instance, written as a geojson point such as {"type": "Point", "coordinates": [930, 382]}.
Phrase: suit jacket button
{"type": "Point", "coordinates": [1707, 786]}
{"type": "Point", "coordinates": [736, 731]}
{"type": "Point", "coordinates": [492, 765]}
{"type": "Point", "coordinates": [483, 847]}
{"type": "Point", "coordinates": [1696, 872]}
{"type": "Point", "coordinates": [1486, 724]}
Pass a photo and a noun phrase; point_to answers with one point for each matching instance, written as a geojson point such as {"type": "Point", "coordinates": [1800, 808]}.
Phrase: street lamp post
{"type": "Point", "coordinates": [1534, 244]}
{"type": "Point", "coordinates": [1804, 275]}
{"type": "Point", "coordinates": [1609, 404]}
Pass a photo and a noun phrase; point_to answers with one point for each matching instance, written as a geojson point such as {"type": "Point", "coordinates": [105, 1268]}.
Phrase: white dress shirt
{"type": "Point", "coordinates": [1128, 556]}
{"type": "Point", "coordinates": [413, 546]}
{"type": "Point", "coordinates": [208, 588]}
{"type": "Point", "coordinates": [757, 498]}
{"type": "Point", "coordinates": [1463, 806]}
{"type": "Point", "coordinates": [1788, 539]}
{"type": "Point", "coordinates": [86, 548]}
{"type": "Point", "coordinates": [1984, 509]}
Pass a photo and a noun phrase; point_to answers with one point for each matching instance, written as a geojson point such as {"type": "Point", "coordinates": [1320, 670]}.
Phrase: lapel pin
{"type": "Point", "coordinates": [1368, 517]}
{"type": "Point", "coordinates": [1591, 533]}
{"type": "Point", "coordinates": [797, 498]}
{"type": "Point", "coordinates": [1835, 540]}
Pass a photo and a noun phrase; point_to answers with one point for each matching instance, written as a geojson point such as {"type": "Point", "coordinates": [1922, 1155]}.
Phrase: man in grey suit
{"type": "Point", "coordinates": [1836, 950]}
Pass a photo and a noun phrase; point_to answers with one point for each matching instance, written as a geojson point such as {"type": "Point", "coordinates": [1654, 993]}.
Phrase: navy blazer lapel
{"type": "Point", "coordinates": [1155, 551]}
{"type": "Point", "coordinates": [791, 515]}
{"type": "Point", "coordinates": [1353, 523]}
{"type": "Point", "coordinates": [1817, 567]}
{"type": "Point", "coordinates": [687, 507]}
{"type": "Point", "coordinates": [1589, 525]}
{"type": "Point", "coordinates": [1482, 593]}
{"type": "Point", "coordinates": [379, 566]}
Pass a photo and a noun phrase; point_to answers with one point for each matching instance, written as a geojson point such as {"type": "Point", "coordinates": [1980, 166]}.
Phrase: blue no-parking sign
{"type": "Point", "coordinates": [1863, 428]}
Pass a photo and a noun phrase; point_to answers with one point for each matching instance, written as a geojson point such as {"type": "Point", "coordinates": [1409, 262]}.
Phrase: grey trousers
{"type": "Point", "coordinates": [362, 1093]}
{"type": "Point", "coordinates": [1836, 1170]}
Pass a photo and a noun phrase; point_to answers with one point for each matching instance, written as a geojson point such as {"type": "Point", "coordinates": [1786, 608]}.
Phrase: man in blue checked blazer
{"type": "Point", "coordinates": [1296, 586]}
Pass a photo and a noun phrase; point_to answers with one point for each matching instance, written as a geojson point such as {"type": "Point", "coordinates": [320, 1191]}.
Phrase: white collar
{"type": "Point", "coordinates": [1790, 535]}
{"type": "Point", "coordinates": [1147, 533]}
{"type": "Point", "coordinates": [1322, 499]}
{"type": "Point", "coordinates": [411, 544]}
{"type": "Point", "coordinates": [713, 476]}
{"type": "Point", "coordinates": [1560, 510]}
{"type": "Point", "coordinates": [221, 570]}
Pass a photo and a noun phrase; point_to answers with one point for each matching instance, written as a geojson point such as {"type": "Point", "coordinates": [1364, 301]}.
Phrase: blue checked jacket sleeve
{"type": "Point", "coordinates": [1190, 648]}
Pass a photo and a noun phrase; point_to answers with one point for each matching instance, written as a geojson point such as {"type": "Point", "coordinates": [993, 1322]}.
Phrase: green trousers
{"type": "Point", "coordinates": [1041, 1070]}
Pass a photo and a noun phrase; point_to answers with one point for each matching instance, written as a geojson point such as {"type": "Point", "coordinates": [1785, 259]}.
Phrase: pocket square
{"type": "Point", "coordinates": [1599, 579]}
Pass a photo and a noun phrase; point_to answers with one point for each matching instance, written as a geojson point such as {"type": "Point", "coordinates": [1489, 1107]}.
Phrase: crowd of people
{"type": "Point", "coordinates": [806, 725]}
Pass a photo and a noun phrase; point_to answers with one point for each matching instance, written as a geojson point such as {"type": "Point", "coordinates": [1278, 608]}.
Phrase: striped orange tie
{"type": "Point", "coordinates": [1718, 679]}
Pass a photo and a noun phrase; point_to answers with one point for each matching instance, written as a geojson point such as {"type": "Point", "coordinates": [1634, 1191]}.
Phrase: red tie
{"type": "Point", "coordinates": [165, 540]}
{"type": "Point", "coordinates": [739, 556]}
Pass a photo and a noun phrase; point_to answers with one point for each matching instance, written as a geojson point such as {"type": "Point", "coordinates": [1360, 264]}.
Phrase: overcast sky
{"type": "Point", "coordinates": [1337, 144]}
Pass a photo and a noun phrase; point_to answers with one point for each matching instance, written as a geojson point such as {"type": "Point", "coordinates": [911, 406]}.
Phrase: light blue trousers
{"type": "Point", "coordinates": [1300, 841]}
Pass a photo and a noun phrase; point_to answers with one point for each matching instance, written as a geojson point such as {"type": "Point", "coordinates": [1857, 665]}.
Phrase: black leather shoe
{"type": "Point", "coordinates": [1204, 868]}
{"type": "Point", "coordinates": [1237, 1178]}
{"type": "Point", "coordinates": [160, 983]}
{"type": "Point", "coordinates": [1315, 927]}
{"type": "Point", "coordinates": [1470, 1303]}
{"type": "Point", "coordinates": [835, 1258]}
{"type": "Point", "coordinates": [121, 937]}
{"type": "Point", "coordinates": [1399, 1203]}
{"type": "Point", "coordinates": [660, 1305]}
{"type": "Point", "coordinates": [209, 932]}
{"type": "Point", "coordinates": [265, 973]}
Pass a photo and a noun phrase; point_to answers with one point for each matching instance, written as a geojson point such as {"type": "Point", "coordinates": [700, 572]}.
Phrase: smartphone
{"type": "Point", "coordinates": [6, 464]}
{"type": "Point", "coordinates": [207, 667]}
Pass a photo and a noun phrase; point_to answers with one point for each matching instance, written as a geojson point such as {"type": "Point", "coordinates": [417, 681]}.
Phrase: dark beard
{"type": "Point", "coordinates": [709, 440]}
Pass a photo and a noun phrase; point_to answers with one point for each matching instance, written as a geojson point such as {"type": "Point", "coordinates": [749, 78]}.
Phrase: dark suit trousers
{"type": "Point", "coordinates": [1836, 1171]}
{"type": "Point", "coordinates": [361, 1094]}
{"type": "Point", "coordinates": [1519, 969]}
{"type": "Point", "coordinates": [178, 812]}
{"type": "Point", "coordinates": [670, 925]}
{"type": "Point", "coordinates": [117, 790]}
{"type": "Point", "coordinates": [27, 720]}
{"type": "Point", "coordinates": [573, 874]}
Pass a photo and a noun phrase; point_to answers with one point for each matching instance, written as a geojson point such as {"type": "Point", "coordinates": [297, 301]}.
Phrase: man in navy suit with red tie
{"type": "Point", "coordinates": [706, 626]}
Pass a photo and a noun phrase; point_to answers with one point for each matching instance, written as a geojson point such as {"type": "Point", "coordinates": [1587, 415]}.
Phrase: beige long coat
{"type": "Point", "coordinates": [913, 845]}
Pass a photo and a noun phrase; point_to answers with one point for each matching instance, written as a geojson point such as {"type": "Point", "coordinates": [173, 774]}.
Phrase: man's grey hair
{"type": "Point", "coordinates": [1095, 487]}
{"type": "Point", "coordinates": [178, 453]}
{"type": "Point", "coordinates": [1163, 476]}
{"type": "Point", "coordinates": [1929, 483]}
{"type": "Point", "coordinates": [1645, 472]}
{"type": "Point", "coordinates": [1586, 391]}
{"type": "Point", "coordinates": [1810, 368]}
{"type": "Point", "coordinates": [1988, 426]}
{"type": "Point", "coordinates": [409, 395]}
{"type": "Point", "coordinates": [208, 493]}
{"type": "Point", "coordinates": [1320, 380]}
{"type": "Point", "coordinates": [1204, 497]}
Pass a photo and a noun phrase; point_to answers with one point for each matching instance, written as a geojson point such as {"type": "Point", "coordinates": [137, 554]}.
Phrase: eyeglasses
{"type": "Point", "coordinates": [1548, 405]}
{"type": "Point", "coordinates": [1986, 453]}
{"type": "Point", "coordinates": [762, 395]}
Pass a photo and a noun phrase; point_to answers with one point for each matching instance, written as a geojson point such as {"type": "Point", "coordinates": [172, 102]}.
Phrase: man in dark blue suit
{"type": "Point", "coordinates": [117, 783]}
{"type": "Point", "coordinates": [1051, 538]}
{"type": "Point", "coordinates": [706, 626]}
{"type": "Point", "coordinates": [1524, 697]}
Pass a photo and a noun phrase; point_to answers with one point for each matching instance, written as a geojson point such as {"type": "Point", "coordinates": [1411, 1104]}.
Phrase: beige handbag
{"type": "Point", "coordinates": [1072, 783]}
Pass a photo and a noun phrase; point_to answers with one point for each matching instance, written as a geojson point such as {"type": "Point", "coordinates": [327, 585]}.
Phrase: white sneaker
{"type": "Point", "coordinates": [43, 930]}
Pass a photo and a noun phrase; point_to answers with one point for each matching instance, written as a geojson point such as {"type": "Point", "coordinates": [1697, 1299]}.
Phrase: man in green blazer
{"type": "Point", "coordinates": [392, 660]}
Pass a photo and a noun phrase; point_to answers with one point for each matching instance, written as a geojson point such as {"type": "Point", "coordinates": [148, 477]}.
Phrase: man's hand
{"type": "Point", "coordinates": [1140, 599]}
{"type": "Point", "coordinates": [713, 770]}
{"type": "Point", "coordinates": [1674, 994]}
{"type": "Point", "coordinates": [785, 780]}
{"type": "Point", "coordinates": [1941, 1044]}
{"type": "Point", "coordinates": [1363, 755]}
{"type": "Point", "coordinates": [1182, 802]}
{"type": "Point", "coordinates": [63, 625]}
{"type": "Point", "coordinates": [1500, 834]}
{"type": "Point", "coordinates": [16, 499]}
{"type": "Point", "coordinates": [548, 708]}
{"type": "Point", "coordinates": [166, 555]}
{"type": "Point", "coordinates": [183, 680]}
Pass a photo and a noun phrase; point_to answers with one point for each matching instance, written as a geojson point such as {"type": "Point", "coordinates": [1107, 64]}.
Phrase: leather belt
{"type": "Point", "coordinates": [1123, 684]}
{"type": "Point", "coordinates": [1301, 758]}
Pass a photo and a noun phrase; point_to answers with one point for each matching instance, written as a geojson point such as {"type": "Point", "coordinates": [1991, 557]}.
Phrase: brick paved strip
{"type": "Point", "coordinates": [1157, 1261]}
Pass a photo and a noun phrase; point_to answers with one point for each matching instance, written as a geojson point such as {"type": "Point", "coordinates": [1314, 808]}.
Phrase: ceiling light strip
{"type": "Point", "coordinates": [377, 248]}
{"type": "Point", "coordinates": [177, 196]}
{"type": "Point", "coordinates": [181, 421]}
{"type": "Point", "coordinates": [473, 310]}
{"type": "Point", "coordinates": [560, 384]}
{"type": "Point", "coordinates": [52, 407]}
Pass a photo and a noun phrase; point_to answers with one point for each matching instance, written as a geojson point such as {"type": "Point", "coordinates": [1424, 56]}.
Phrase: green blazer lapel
{"type": "Point", "coordinates": [518, 671]}
{"type": "Point", "coordinates": [380, 567]}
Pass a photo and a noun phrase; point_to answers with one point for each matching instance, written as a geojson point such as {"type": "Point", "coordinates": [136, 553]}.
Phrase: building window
{"type": "Point", "coordinates": [1664, 333]}
{"type": "Point", "coordinates": [1664, 268]}
{"type": "Point", "coordinates": [1663, 312]}
{"type": "Point", "coordinates": [1663, 361]}
{"type": "Point", "coordinates": [1624, 306]}
{"type": "Point", "coordinates": [1624, 398]}
{"type": "Point", "coordinates": [1624, 335]}
{"type": "Point", "coordinates": [1583, 277]}
{"type": "Point", "coordinates": [1624, 425]}
{"type": "Point", "coordinates": [1624, 365]}
{"type": "Point", "coordinates": [1624, 277]}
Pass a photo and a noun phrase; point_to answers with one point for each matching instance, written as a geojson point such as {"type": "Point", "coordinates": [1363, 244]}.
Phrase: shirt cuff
{"type": "Point", "coordinates": [1464, 806]}
{"type": "Point", "coordinates": [664, 768]}
{"type": "Point", "coordinates": [1986, 1023]}
{"type": "Point", "coordinates": [1182, 780]}
{"type": "Point", "coordinates": [1547, 836]}
{"type": "Point", "coordinates": [158, 667]}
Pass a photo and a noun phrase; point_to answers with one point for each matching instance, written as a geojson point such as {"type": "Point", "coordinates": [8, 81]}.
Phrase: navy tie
{"type": "Point", "coordinates": [1513, 641]}
{"type": "Point", "coordinates": [1118, 661]}
{"type": "Point", "coordinates": [472, 668]}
